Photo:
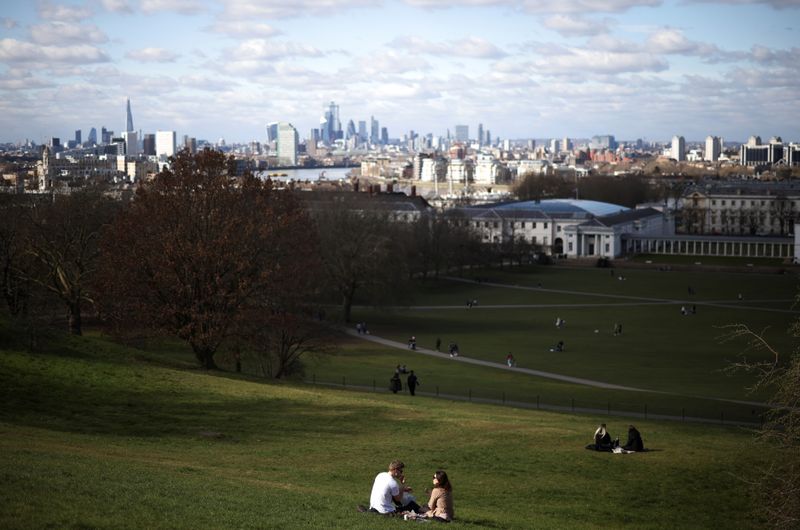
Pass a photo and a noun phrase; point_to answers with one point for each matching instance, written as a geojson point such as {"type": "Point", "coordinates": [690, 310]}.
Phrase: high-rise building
{"type": "Point", "coordinates": [678, 148]}
{"type": "Point", "coordinates": [605, 141]}
{"type": "Point", "coordinates": [480, 134]}
{"type": "Point", "coordinates": [272, 132]}
{"type": "Point", "coordinates": [351, 130]}
{"type": "Point", "coordinates": [92, 136]}
{"type": "Point", "coordinates": [190, 143]}
{"type": "Point", "coordinates": [565, 144]}
{"type": "Point", "coordinates": [713, 148]}
{"type": "Point", "coordinates": [131, 143]}
{"type": "Point", "coordinates": [149, 145]}
{"type": "Point", "coordinates": [330, 124]}
{"type": "Point", "coordinates": [165, 143]}
{"type": "Point", "coordinates": [106, 135]}
{"type": "Point", "coordinates": [462, 133]}
{"type": "Point", "coordinates": [78, 137]}
{"type": "Point", "coordinates": [375, 131]}
{"type": "Point", "coordinates": [129, 122]}
{"type": "Point", "coordinates": [287, 144]}
{"type": "Point", "coordinates": [362, 131]}
{"type": "Point", "coordinates": [384, 136]}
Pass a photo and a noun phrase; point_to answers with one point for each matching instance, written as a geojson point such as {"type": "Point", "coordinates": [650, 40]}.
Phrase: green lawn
{"type": "Point", "coordinates": [94, 435]}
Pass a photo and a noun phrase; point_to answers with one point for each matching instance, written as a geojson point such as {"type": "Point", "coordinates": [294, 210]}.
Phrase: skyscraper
{"type": "Point", "coordinates": [149, 144]}
{"type": "Point", "coordinates": [713, 148]}
{"type": "Point", "coordinates": [678, 148]}
{"type": "Point", "coordinates": [462, 133]}
{"type": "Point", "coordinates": [375, 131]}
{"type": "Point", "coordinates": [131, 143]}
{"type": "Point", "coordinates": [362, 131]}
{"type": "Point", "coordinates": [78, 137]}
{"type": "Point", "coordinates": [272, 132]}
{"type": "Point", "coordinates": [92, 136]}
{"type": "Point", "coordinates": [480, 134]}
{"type": "Point", "coordinates": [330, 124]}
{"type": "Point", "coordinates": [129, 125]}
{"type": "Point", "coordinates": [287, 144]}
{"type": "Point", "coordinates": [165, 143]}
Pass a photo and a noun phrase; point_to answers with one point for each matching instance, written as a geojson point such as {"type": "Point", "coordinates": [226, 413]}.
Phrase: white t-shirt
{"type": "Point", "coordinates": [383, 489]}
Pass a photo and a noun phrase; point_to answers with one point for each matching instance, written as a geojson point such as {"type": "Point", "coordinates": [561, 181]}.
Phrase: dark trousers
{"type": "Point", "coordinates": [412, 388]}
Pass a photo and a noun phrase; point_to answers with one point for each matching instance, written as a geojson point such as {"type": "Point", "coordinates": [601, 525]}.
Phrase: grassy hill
{"type": "Point", "coordinates": [97, 435]}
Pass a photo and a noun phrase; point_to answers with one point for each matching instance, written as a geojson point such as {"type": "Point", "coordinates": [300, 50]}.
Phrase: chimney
{"type": "Point", "coordinates": [413, 191]}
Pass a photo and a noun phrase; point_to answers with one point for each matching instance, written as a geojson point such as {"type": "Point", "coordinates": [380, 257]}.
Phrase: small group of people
{"type": "Point", "coordinates": [603, 441]}
{"type": "Point", "coordinates": [560, 322]}
{"type": "Point", "coordinates": [471, 303]}
{"type": "Point", "coordinates": [412, 343]}
{"type": "Point", "coordinates": [390, 496]}
{"type": "Point", "coordinates": [361, 328]}
{"type": "Point", "coordinates": [617, 329]}
{"type": "Point", "coordinates": [689, 311]}
{"type": "Point", "coordinates": [453, 349]}
{"type": "Point", "coordinates": [559, 347]}
{"type": "Point", "coordinates": [396, 384]}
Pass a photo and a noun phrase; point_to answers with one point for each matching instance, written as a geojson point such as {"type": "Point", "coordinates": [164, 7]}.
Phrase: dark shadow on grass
{"type": "Point", "coordinates": [79, 399]}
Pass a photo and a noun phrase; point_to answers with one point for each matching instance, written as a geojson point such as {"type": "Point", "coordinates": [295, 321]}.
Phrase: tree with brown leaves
{"type": "Point", "coordinates": [205, 255]}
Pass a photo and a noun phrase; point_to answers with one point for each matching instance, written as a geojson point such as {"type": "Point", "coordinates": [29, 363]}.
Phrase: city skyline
{"type": "Point", "coordinates": [632, 68]}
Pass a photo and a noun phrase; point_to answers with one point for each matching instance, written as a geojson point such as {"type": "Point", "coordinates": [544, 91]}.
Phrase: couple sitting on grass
{"type": "Point", "coordinates": [603, 442]}
{"type": "Point", "coordinates": [391, 497]}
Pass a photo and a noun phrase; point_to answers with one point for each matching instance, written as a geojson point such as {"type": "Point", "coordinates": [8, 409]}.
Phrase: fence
{"type": "Point", "coordinates": [722, 413]}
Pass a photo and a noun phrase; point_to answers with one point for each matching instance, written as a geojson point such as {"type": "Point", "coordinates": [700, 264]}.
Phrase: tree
{"type": "Point", "coordinates": [779, 485]}
{"type": "Point", "coordinates": [202, 254]}
{"type": "Point", "coordinates": [63, 244]}
{"type": "Point", "coordinates": [532, 187]}
{"type": "Point", "coordinates": [359, 249]}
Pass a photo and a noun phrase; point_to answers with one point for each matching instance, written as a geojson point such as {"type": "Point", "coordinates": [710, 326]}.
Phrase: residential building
{"type": "Point", "coordinates": [288, 140]}
{"type": "Point", "coordinates": [678, 151]}
{"type": "Point", "coordinates": [166, 143]}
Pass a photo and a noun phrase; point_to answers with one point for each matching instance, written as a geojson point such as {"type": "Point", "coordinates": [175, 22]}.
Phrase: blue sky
{"type": "Point", "coordinates": [524, 68]}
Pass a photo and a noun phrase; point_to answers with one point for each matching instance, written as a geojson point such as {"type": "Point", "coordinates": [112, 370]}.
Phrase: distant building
{"type": "Point", "coordinates": [166, 143]}
{"type": "Point", "coordinates": [606, 141]}
{"type": "Point", "coordinates": [462, 133]}
{"type": "Point", "coordinates": [678, 151]}
{"type": "Point", "coordinates": [149, 145]}
{"type": "Point", "coordinates": [288, 141]}
{"type": "Point", "coordinates": [713, 148]}
{"type": "Point", "coordinates": [129, 120]}
{"type": "Point", "coordinates": [754, 153]}
{"type": "Point", "coordinates": [131, 143]}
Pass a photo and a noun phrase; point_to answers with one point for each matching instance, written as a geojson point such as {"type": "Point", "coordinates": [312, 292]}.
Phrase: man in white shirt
{"type": "Point", "coordinates": [388, 490]}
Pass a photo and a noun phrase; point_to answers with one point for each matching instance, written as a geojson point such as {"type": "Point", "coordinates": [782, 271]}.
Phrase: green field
{"type": "Point", "coordinates": [94, 434]}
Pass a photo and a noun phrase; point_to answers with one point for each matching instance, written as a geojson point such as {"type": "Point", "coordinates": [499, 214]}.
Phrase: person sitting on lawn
{"type": "Point", "coordinates": [634, 442]}
{"type": "Point", "coordinates": [389, 495]}
{"type": "Point", "coordinates": [440, 505]}
{"type": "Point", "coordinates": [602, 440]}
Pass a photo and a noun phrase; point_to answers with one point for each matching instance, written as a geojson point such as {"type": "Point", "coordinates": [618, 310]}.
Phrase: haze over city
{"type": "Point", "coordinates": [633, 68]}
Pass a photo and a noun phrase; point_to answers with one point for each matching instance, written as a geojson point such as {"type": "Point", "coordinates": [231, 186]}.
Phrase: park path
{"type": "Point", "coordinates": [537, 373]}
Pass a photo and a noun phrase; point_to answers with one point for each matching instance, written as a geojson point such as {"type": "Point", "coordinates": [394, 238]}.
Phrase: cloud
{"type": "Point", "coordinates": [261, 49]}
{"type": "Point", "coordinates": [13, 50]}
{"type": "Point", "coordinates": [8, 23]}
{"type": "Point", "coordinates": [117, 6]}
{"type": "Point", "coordinates": [472, 47]}
{"type": "Point", "coordinates": [575, 25]}
{"type": "Point", "coordinates": [152, 55]}
{"type": "Point", "coordinates": [58, 33]}
{"type": "Point", "coordinates": [776, 4]}
{"type": "Point", "coordinates": [672, 41]}
{"type": "Point", "coordinates": [243, 28]}
{"type": "Point", "coordinates": [21, 79]}
{"type": "Point", "coordinates": [184, 7]}
{"type": "Point", "coordinates": [388, 64]}
{"type": "Point", "coordinates": [248, 10]}
{"type": "Point", "coordinates": [207, 83]}
{"type": "Point", "coordinates": [546, 6]}
{"type": "Point", "coordinates": [767, 56]}
{"type": "Point", "coordinates": [64, 13]}
{"type": "Point", "coordinates": [580, 62]}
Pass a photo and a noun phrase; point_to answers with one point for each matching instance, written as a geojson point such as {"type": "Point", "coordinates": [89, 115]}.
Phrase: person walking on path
{"type": "Point", "coordinates": [412, 382]}
{"type": "Point", "coordinates": [438, 343]}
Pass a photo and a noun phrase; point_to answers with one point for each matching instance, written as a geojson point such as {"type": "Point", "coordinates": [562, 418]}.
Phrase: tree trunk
{"type": "Point", "coordinates": [347, 305]}
{"type": "Point", "coordinates": [75, 319]}
{"type": "Point", "coordinates": [205, 356]}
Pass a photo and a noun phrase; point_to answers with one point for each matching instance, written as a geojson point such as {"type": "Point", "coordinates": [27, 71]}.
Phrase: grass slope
{"type": "Point", "coordinates": [94, 435]}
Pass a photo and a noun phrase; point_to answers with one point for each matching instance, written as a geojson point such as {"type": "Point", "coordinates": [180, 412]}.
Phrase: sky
{"type": "Point", "coordinates": [645, 69]}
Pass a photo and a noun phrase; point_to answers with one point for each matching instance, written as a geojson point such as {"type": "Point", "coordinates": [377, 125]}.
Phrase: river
{"type": "Point", "coordinates": [304, 174]}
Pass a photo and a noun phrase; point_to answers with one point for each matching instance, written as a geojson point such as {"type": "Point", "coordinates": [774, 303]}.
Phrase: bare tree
{"type": "Point", "coordinates": [779, 485]}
